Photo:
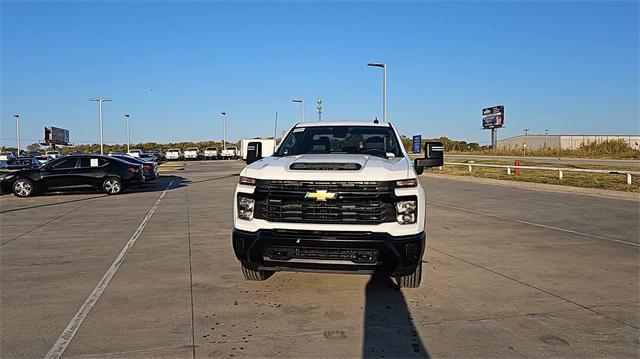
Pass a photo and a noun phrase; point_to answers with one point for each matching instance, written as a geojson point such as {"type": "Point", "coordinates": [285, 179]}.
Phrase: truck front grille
{"type": "Point", "coordinates": [361, 202]}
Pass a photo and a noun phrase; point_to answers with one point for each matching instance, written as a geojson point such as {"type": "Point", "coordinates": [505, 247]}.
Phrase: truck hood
{"type": "Point", "coordinates": [330, 167]}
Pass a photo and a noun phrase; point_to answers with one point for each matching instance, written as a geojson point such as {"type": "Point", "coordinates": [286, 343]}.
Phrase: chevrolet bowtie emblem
{"type": "Point", "coordinates": [320, 196]}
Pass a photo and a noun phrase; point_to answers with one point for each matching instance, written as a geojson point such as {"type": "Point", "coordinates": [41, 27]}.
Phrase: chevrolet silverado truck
{"type": "Point", "coordinates": [334, 197]}
{"type": "Point", "coordinates": [230, 153]}
{"type": "Point", "coordinates": [192, 153]}
{"type": "Point", "coordinates": [211, 153]}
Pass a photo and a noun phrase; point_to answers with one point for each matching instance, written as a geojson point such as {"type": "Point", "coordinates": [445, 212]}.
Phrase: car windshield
{"type": "Point", "coordinates": [369, 140]}
{"type": "Point", "coordinates": [173, 151]}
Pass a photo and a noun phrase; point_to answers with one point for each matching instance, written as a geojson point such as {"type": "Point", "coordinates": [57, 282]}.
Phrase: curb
{"type": "Point", "coordinates": [632, 196]}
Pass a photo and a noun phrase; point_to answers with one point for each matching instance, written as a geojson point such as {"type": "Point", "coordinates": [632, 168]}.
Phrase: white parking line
{"type": "Point", "coordinates": [69, 332]}
{"type": "Point", "coordinates": [595, 236]}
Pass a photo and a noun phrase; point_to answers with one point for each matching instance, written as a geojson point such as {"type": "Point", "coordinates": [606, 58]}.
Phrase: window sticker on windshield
{"type": "Point", "coordinates": [94, 162]}
{"type": "Point", "coordinates": [300, 129]}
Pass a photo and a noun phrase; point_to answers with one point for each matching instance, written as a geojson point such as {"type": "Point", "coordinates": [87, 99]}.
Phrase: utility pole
{"type": "Point", "coordinates": [384, 87]}
{"type": "Point", "coordinates": [128, 133]}
{"type": "Point", "coordinates": [319, 107]}
{"type": "Point", "coordinates": [17, 116]}
{"type": "Point", "coordinates": [224, 130]}
{"type": "Point", "coordinates": [100, 101]}
{"type": "Point", "coordinates": [301, 109]}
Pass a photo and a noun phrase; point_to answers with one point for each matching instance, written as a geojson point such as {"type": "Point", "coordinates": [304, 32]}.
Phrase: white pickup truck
{"type": "Point", "coordinates": [54, 154]}
{"type": "Point", "coordinates": [192, 153]}
{"type": "Point", "coordinates": [173, 154]}
{"type": "Point", "coordinates": [135, 152]}
{"type": "Point", "coordinates": [211, 153]}
{"type": "Point", "coordinates": [230, 153]}
{"type": "Point", "coordinates": [335, 196]}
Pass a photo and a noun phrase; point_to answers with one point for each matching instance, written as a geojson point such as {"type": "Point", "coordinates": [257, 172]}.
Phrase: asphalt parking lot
{"type": "Point", "coordinates": [509, 272]}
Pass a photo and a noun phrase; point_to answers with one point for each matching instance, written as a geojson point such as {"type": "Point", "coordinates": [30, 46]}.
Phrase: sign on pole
{"type": "Point", "coordinates": [493, 117]}
{"type": "Point", "coordinates": [56, 136]}
{"type": "Point", "coordinates": [417, 144]}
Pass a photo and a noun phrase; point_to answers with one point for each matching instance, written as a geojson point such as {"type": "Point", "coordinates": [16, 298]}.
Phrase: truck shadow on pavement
{"type": "Point", "coordinates": [389, 331]}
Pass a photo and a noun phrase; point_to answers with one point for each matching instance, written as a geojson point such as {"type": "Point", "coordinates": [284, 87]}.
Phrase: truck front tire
{"type": "Point", "coordinates": [411, 280]}
{"type": "Point", "coordinates": [256, 275]}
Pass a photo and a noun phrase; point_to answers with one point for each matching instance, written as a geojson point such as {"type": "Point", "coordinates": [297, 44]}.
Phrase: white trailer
{"type": "Point", "coordinates": [268, 146]}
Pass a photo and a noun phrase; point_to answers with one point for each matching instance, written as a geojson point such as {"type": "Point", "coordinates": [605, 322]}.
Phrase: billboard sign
{"type": "Point", "coordinates": [417, 144]}
{"type": "Point", "coordinates": [56, 136]}
{"type": "Point", "coordinates": [493, 117]}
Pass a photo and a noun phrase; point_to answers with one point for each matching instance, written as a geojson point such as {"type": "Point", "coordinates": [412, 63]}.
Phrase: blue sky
{"type": "Point", "coordinates": [571, 67]}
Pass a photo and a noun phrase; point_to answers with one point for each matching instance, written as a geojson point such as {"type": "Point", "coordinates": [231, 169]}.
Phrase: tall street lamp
{"type": "Point", "coordinates": [384, 87]}
{"type": "Point", "coordinates": [301, 109]}
{"type": "Point", "coordinates": [224, 130]}
{"type": "Point", "coordinates": [526, 136]}
{"type": "Point", "coordinates": [275, 129]}
{"type": "Point", "coordinates": [128, 133]}
{"type": "Point", "coordinates": [100, 101]}
{"type": "Point", "coordinates": [319, 107]}
{"type": "Point", "coordinates": [17, 116]}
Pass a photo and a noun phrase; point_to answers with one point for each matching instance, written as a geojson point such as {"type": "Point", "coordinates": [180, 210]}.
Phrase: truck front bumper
{"type": "Point", "coordinates": [329, 251]}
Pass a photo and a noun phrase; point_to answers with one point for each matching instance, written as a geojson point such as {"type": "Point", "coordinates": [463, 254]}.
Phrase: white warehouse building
{"type": "Point", "coordinates": [563, 142]}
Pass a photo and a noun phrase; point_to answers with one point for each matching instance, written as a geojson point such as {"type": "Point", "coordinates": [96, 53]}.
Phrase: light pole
{"type": "Point", "coordinates": [17, 116]}
{"type": "Point", "coordinates": [275, 128]}
{"type": "Point", "coordinates": [546, 140]}
{"type": "Point", "coordinates": [100, 101]}
{"type": "Point", "coordinates": [384, 87]}
{"type": "Point", "coordinates": [526, 134]}
{"type": "Point", "coordinates": [319, 107]}
{"type": "Point", "coordinates": [301, 108]}
{"type": "Point", "coordinates": [128, 133]}
{"type": "Point", "coordinates": [224, 130]}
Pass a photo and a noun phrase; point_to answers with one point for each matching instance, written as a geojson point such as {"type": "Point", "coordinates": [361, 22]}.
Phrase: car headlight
{"type": "Point", "coordinates": [406, 212]}
{"type": "Point", "coordinates": [245, 207]}
{"type": "Point", "coordinates": [6, 176]}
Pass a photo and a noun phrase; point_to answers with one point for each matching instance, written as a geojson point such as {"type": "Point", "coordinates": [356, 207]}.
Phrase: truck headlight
{"type": "Point", "coordinates": [406, 212]}
{"type": "Point", "coordinates": [409, 182]}
{"type": "Point", "coordinates": [247, 180]}
{"type": "Point", "coordinates": [245, 207]}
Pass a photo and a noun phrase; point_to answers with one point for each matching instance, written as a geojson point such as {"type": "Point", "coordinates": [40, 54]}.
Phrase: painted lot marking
{"type": "Point", "coordinates": [69, 332]}
{"type": "Point", "coordinates": [595, 236]}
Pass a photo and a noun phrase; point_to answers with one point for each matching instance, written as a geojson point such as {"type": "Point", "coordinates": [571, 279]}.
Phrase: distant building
{"type": "Point", "coordinates": [563, 142]}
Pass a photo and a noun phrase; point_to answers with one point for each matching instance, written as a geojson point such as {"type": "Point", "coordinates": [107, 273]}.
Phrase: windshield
{"type": "Point", "coordinates": [171, 151]}
{"type": "Point", "coordinates": [369, 140]}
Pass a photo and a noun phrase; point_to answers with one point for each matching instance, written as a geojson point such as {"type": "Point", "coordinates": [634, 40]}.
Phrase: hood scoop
{"type": "Point", "coordinates": [325, 166]}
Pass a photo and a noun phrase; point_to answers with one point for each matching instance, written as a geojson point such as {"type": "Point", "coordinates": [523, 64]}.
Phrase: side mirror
{"type": "Point", "coordinates": [254, 152]}
{"type": "Point", "coordinates": [433, 156]}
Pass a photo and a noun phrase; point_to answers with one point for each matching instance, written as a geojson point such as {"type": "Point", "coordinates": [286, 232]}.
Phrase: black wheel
{"type": "Point", "coordinates": [412, 280]}
{"type": "Point", "coordinates": [23, 187]}
{"type": "Point", "coordinates": [250, 274]}
{"type": "Point", "coordinates": [112, 185]}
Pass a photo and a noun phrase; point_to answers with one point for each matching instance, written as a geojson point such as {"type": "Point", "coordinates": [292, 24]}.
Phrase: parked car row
{"type": "Point", "coordinates": [110, 174]}
{"type": "Point", "coordinates": [209, 153]}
